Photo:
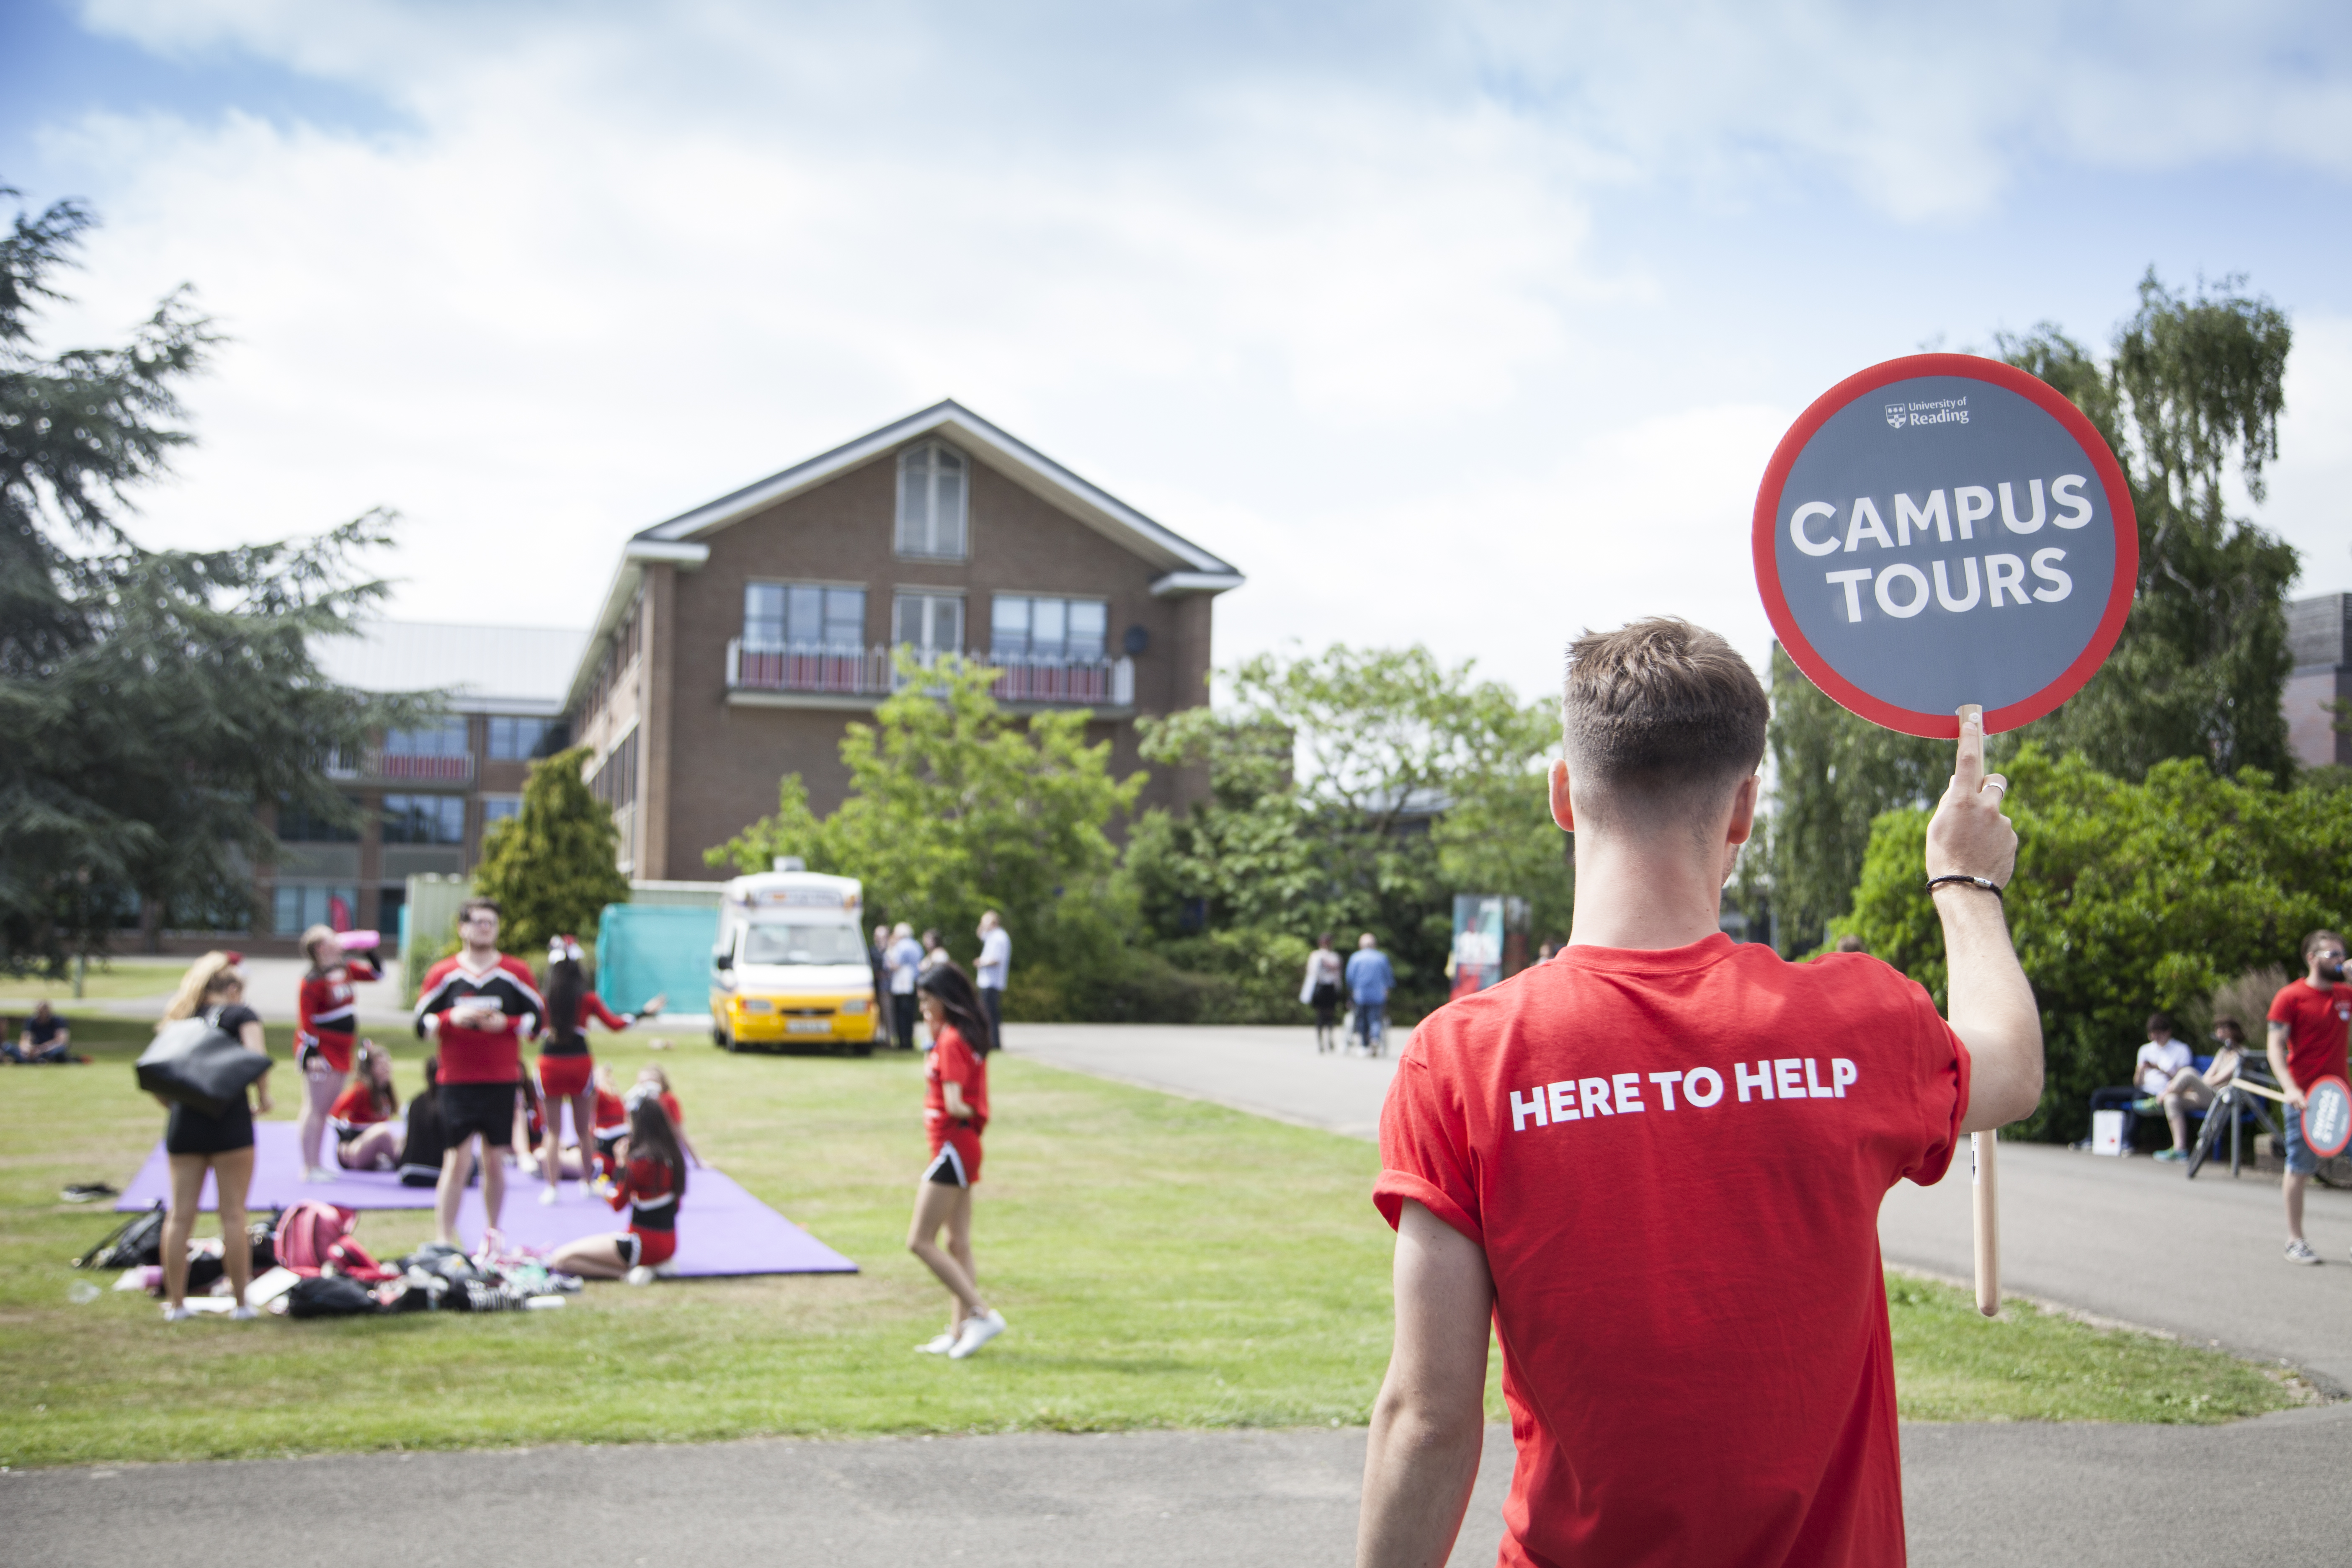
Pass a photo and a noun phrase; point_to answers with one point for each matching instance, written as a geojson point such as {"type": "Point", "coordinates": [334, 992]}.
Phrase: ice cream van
{"type": "Point", "coordinates": [791, 965]}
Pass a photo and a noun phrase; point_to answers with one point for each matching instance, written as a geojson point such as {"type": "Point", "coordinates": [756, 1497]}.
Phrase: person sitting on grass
{"type": "Point", "coordinates": [365, 1116]}
{"type": "Point", "coordinates": [2192, 1090]}
{"type": "Point", "coordinates": [652, 1185]}
{"type": "Point", "coordinates": [46, 1039]}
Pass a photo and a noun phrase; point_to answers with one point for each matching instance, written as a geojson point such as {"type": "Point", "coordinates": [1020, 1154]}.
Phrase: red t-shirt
{"type": "Point", "coordinates": [480, 1056]}
{"type": "Point", "coordinates": [650, 1189]}
{"type": "Point", "coordinates": [949, 1060]}
{"type": "Point", "coordinates": [2316, 1024]}
{"type": "Point", "coordinates": [354, 1108]}
{"type": "Point", "coordinates": [612, 1115]}
{"type": "Point", "coordinates": [1674, 1162]}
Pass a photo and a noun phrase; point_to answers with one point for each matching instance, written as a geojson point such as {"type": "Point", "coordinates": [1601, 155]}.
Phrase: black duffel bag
{"type": "Point", "coordinates": [330, 1296]}
{"type": "Point", "coordinates": [195, 1065]}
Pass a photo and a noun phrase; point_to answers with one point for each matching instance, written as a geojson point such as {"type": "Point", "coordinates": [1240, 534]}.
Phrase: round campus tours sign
{"type": "Point", "coordinates": [1942, 530]}
{"type": "Point", "coordinates": [2327, 1117]}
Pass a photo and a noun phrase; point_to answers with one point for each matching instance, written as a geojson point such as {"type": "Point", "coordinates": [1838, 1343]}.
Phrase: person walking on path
{"type": "Point", "coordinates": [2309, 1021]}
{"type": "Point", "coordinates": [905, 958]}
{"type": "Point", "coordinates": [994, 968]}
{"type": "Point", "coordinates": [479, 1004]}
{"type": "Point", "coordinates": [326, 1018]}
{"type": "Point", "coordinates": [955, 1114]}
{"type": "Point", "coordinates": [1370, 981]}
{"type": "Point", "coordinates": [214, 990]}
{"type": "Point", "coordinates": [1652, 1167]}
{"type": "Point", "coordinates": [1320, 991]}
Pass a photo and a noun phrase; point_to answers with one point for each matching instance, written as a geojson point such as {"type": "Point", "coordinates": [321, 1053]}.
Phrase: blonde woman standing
{"type": "Point", "coordinates": [214, 990]}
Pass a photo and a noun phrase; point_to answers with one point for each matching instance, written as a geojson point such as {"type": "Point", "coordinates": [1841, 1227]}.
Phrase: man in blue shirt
{"type": "Point", "coordinates": [1370, 981]}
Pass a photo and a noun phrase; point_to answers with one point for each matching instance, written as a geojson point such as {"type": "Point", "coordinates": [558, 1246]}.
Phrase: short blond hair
{"type": "Point", "coordinates": [1657, 717]}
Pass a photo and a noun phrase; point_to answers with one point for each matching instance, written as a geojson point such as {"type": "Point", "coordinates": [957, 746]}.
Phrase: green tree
{"type": "Point", "coordinates": [955, 807]}
{"type": "Point", "coordinates": [2188, 397]}
{"type": "Point", "coordinates": [1356, 790]}
{"type": "Point", "coordinates": [156, 704]}
{"type": "Point", "coordinates": [551, 865]}
{"type": "Point", "coordinates": [2128, 897]}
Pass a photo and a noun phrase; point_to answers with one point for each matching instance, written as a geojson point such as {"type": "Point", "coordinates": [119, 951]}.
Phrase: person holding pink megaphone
{"type": "Point", "coordinates": [326, 1020]}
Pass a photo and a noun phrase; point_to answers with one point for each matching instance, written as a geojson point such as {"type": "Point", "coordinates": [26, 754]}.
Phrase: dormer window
{"type": "Point", "coordinates": [931, 491]}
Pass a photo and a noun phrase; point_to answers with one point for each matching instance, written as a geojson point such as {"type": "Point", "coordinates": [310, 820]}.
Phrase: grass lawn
{"type": "Point", "coordinates": [1163, 1263]}
{"type": "Point", "coordinates": [104, 983]}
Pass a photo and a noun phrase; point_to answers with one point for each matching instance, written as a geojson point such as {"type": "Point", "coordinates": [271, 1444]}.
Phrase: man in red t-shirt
{"type": "Point", "coordinates": [1654, 1164]}
{"type": "Point", "coordinates": [2309, 1021]}
{"type": "Point", "coordinates": [480, 1005]}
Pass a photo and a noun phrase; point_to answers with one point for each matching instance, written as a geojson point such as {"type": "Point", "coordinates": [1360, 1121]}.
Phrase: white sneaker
{"type": "Point", "coordinates": [2299, 1252]}
{"type": "Point", "coordinates": [939, 1346]}
{"type": "Point", "coordinates": [177, 1314]}
{"type": "Point", "coordinates": [547, 1195]}
{"type": "Point", "coordinates": [640, 1275]}
{"type": "Point", "coordinates": [318, 1174]}
{"type": "Point", "coordinates": [244, 1313]}
{"type": "Point", "coordinates": [977, 1331]}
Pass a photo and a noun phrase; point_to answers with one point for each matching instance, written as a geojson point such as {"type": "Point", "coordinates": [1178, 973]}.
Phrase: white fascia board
{"type": "Point", "coordinates": [685, 556]}
{"type": "Point", "coordinates": [1017, 461]}
{"type": "Point", "coordinates": [1183, 585]}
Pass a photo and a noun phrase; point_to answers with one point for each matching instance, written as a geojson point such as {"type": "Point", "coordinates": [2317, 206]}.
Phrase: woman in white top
{"type": "Point", "coordinates": [1320, 991]}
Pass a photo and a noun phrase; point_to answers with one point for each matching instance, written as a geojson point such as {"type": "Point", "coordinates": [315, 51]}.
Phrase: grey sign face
{"type": "Point", "coordinates": [1943, 541]}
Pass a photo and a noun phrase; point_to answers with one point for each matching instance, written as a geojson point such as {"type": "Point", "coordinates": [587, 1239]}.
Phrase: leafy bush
{"type": "Point", "coordinates": [2128, 897]}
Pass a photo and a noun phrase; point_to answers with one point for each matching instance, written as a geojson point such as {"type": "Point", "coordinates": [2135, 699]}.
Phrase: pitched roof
{"type": "Point", "coordinates": [487, 669]}
{"type": "Point", "coordinates": [1016, 460]}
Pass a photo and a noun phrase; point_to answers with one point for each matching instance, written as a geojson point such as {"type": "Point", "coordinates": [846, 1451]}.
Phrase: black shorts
{"type": "Point", "coordinates": [488, 1108]}
{"type": "Point", "coordinates": [191, 1132]}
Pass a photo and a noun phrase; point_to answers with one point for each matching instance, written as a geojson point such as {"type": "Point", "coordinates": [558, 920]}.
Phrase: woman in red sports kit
{"type": "Point", "coordinates": [955, 1113]}
{"type": "Point", "coordinates": [326, 1016]}
{"type": "Point", "coordinates": [566, 1072]}
{"type": "Point", "coordinates": [367, 1136]}
{"type": "Point", "coordinates": [651, 1186]}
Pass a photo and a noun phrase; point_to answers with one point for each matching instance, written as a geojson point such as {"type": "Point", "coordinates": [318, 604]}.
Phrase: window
{"type": "Point", "coordinates": [931, 622]}
{"type": "Point", "coordinates": [800, 614]}
{"type": "Point", "coordinates": [931, 502]}
{"type": "Point", "coordinates": [297, 908]}
{"type": "Point", "coordinates": [301, 825]}
{"type": "Point", "coordinates": [425, 819]}
{"type": "Point", "coordinates": [519, 740]}
{"type": "Point", "coordinates": [615, 783]}
{"type": "Point", "coordinates": [498, 807]}
{"type": "Point", "coordinates": [443, 738]}
{"type": "Point", "coordinates": [780, 943]}
{"type": "Point", "coordinates": [1029, 627]}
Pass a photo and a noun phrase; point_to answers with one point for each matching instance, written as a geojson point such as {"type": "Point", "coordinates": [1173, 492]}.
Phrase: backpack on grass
{"type": "Point", "coordinates": [307, 1234]}
{"type": "Point", "coordinates": [329, 1296]}
{"type": "Point", "coordinates": [137, 1240]}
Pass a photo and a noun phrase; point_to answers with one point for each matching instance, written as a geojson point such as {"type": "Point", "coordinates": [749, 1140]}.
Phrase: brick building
{"type": "Point", "coordinates": [739, 639]}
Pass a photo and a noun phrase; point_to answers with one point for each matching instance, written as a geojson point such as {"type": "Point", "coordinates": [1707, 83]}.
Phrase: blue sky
{"type": "Point", "coordinates": [1468, 323]}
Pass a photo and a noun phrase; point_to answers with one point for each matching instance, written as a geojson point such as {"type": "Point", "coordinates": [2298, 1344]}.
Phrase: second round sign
{"type": "Point", "coordinates": [1942, 530]}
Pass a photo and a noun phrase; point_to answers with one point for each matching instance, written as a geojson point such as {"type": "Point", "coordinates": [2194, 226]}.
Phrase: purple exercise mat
{"type": "Point", "coordinates": [721, 1229]}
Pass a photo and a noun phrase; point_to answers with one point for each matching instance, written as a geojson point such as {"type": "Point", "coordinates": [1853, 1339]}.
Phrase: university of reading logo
{"type": "Point", "coordinates": [1928, 411]}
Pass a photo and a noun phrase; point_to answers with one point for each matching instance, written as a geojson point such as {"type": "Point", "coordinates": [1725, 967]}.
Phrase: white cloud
{"type": "Point", "coordinates": [1324, 289]}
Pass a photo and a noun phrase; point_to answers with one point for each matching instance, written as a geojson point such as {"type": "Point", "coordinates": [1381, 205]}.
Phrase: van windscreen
{"type": "Point", "coordinates": [779, 944]}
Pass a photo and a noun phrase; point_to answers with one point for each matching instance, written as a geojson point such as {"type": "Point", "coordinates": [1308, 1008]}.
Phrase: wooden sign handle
{"type": "Point", "coordinates": [1984, 1181]}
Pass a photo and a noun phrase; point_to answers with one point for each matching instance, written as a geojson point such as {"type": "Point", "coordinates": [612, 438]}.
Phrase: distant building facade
{"type": "Point", "coordinates": [425, 797]}
{"type": "Point", "coordinates": [738, 640]}
{"type": "Point", "coordinates": [2319, 635]}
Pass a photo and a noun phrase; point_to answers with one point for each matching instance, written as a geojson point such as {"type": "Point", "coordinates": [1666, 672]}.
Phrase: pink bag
{"type": "Point", "coordinates": [307, 1233]}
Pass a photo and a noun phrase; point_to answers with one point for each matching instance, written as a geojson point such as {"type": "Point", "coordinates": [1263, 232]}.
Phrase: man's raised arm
{"type": "Point", "coordinates": [1431, 1415]}
{"type": "Point", "coordinates": [1990, 1005]}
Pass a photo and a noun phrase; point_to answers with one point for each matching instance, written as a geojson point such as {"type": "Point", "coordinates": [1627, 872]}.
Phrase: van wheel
{"type": "Point", "coordinates": [718, 1037]}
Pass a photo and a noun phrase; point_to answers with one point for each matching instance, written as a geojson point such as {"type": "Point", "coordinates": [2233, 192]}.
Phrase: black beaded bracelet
{"type": "Point", "coordinates": [1987, 883]}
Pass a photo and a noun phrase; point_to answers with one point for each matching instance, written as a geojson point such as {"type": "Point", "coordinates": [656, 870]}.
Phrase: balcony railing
{"type": "Point", "coordinates": [400, 766]}
{"type": "Point", "coordinates": [848, 670]}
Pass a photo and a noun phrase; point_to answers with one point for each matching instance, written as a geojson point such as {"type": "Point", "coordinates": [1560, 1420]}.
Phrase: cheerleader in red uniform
{"type": "Point", "coordinates": [955, 1114]}
{"type": "Point", "coordinates": [651, 1187]}
{"type": "Point", "coordinates": [651, 1078]}
{"type": "Point", "coordinates": [566, 1071]}
{"type": "Point", "coordinates": [367, 1136]}
{"type": "Point", "coordinates": [611, 1123]}
{"type": "Point", "coordinates": [326, 1013]}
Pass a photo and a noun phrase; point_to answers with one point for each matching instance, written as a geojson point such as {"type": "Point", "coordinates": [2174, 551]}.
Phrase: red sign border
{"type": "Point", "coordinates": [1766, 530]}
{"type": "Point", "coordinates": [2347, 1091]}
